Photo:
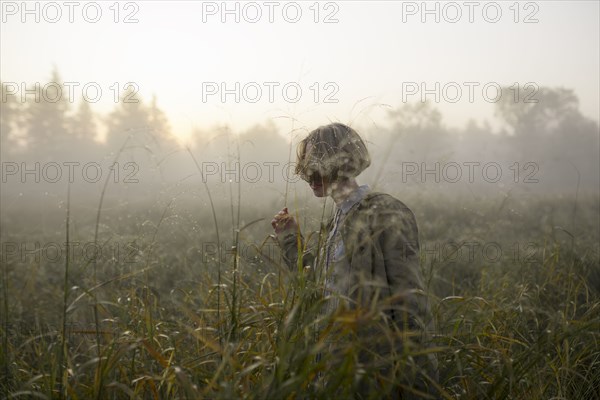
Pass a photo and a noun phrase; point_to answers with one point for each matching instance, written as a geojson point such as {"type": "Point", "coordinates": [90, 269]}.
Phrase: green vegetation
{"type": "Point", "coordinates": [147, 284]}
{"type": "Point", "coordinates": [523, 325]}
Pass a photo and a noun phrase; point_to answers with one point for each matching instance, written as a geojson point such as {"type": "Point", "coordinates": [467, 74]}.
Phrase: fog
{"type": "Point", "coordinates": [145, 147]}
{"type": "Point", "coordinates": [545, 147]}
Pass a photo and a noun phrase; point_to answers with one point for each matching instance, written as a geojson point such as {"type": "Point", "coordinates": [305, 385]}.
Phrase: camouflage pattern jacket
{"type": "Point", "coordinates": [381, 244]}
{"type": "Point", "coordinates": [382, 248]}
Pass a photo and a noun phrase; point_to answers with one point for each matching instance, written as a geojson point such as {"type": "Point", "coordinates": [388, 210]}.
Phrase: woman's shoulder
{"type": "Point", "coordinates": [383, 201]}
{"type": "Point", "coordinates": [379, 211]}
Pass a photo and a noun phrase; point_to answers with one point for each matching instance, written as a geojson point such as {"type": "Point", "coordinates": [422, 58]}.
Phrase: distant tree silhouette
{"type": "Point", "coordinates": [83, 123]}
{"type": "Point", "coordinates": [527, 111]}
{"type": "Point", "coordinates": [159, 124]}
{"type": "Point", "coordinates": [416, 116]}
{"type": "Point", "coordinates": [84, 129]}
{"type": "Point", "coordinates": [553, 133]}
{"type": "Point", "coordinates": [147, 125]}
{"type": "Point", "coordinates": [10, 115]}
{"type": "Point", "coordinates": [46, 120]}
{"type": "Point", "coordinates": [128, 118]}
{"type": "Point", "coordinates": [147, 134]}
{"type": "Point", "coordinates": [422, 135]}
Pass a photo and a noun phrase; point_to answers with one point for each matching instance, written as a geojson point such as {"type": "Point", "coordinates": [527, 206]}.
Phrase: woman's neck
{"type": "Point", "coordinates": [342, 189]}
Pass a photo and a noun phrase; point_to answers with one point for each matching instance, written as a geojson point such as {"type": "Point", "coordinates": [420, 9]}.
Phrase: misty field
{"type": "Point", "coordinates": [153, 305]}
{"type": "Point", "coordinates": [151, 274]}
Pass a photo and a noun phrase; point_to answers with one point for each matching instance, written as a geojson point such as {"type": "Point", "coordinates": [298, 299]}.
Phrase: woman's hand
{"type": "Point", "coordinates": [282, 221]}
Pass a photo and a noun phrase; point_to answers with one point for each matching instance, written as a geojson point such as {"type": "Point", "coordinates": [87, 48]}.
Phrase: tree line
{"type": "Point", "coordinates": [550, 132]}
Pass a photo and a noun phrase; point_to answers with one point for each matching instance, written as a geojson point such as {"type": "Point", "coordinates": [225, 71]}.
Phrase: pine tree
{"type": "Point", "coordinates": [10, 113]}
{"type": "Point", "coordinates": [47, 120]}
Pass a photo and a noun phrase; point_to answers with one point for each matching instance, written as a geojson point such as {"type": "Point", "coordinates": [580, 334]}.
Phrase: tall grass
{"type": "Point", "coordinates": [522, 328]}
{"type": "Point", "coordinates": [63, 347]}
{"type": "Point", "coordinates": [214, 215]}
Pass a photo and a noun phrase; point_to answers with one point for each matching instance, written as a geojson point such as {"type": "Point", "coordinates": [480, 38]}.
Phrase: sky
{"type": "Point", "coordinates": [303, 64]}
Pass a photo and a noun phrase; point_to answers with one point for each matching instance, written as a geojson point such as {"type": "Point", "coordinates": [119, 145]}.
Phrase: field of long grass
{"type": "Point", "coordinates": [167, 301]}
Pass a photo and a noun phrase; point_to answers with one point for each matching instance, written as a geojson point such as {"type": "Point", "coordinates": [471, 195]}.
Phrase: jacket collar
{"type": "Point", "coordinates": [353, 198]}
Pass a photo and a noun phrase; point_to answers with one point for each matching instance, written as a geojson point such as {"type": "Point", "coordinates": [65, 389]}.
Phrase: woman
{"type": "Point", "coordinates": [371, 255]}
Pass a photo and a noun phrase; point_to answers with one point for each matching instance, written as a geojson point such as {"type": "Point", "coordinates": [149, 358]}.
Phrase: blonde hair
{"type": "Point", "coordinates": [337, 152]}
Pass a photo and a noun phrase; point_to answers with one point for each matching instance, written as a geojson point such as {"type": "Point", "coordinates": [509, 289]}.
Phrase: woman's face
{"type": "Point", "coordinates": [317, 183]}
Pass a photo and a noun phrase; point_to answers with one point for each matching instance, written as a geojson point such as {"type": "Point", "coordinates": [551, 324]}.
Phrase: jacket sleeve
{"type": "Point", "coordinates": [382, 239]}
{"type": "Point", "coordinates": [288, 242]}
{"type": "Point", "coordinates": [397, 238]}
{"type": "Point", "coordinates": [410, 308]}
{"type": "Point", "coordinates": [387, 250]}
